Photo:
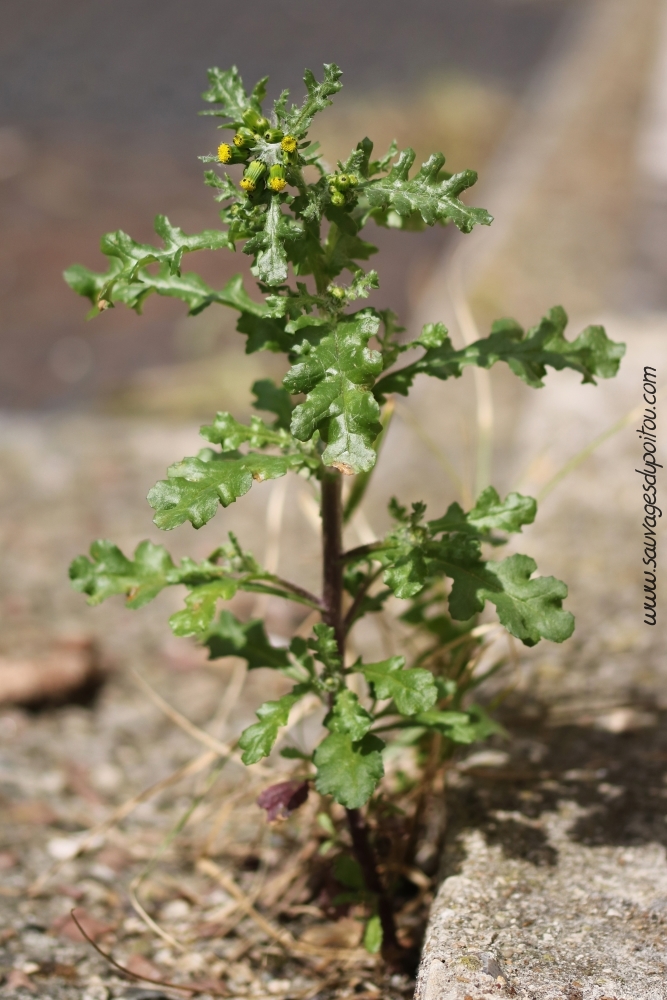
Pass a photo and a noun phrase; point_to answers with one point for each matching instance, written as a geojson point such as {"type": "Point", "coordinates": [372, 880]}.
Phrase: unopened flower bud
{"type": "Point", "coordinates": [253, 173]}
{"type": "Point", "coordinates": [277, 179]}
{"type": "Point", "coordinates": [244, 139]}
{"type": "Point", "coordinates": [274, 135]}
{"type": "Point", "coordinates": [254, 120]}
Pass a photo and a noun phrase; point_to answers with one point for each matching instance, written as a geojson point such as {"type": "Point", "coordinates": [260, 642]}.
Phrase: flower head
{"type": "Point", "coordinates": [289, 144]}
{"type": "Point", "coordinates": [224, 152]}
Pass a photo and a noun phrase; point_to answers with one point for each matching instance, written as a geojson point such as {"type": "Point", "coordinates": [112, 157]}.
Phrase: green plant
{"type": "Point", "coordinates": [342, 371]}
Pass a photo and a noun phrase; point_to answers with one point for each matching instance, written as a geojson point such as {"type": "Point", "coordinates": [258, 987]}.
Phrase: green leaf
{"type": "Point", "coordinates": [230, 434]}
{"type": "Point", "coordinates": [527, 354]}
{"type": "Point", "coordinates": [273, 399]}
{"type": "Point", "coordinates": [134, 256]}
{"type": "Point", "coordinates": [268, 245]}
{"type": "Point", "coordinates": [530, 609]}
{"type": "Point", "coordinates": [348, 716]}
{"type": "Point", "coordinates": [348, 872]}
{"type": "Point", "coordinates": [456, 726]}
{"type": "Point", "coordinates": [197, 485]}
{"type": "Point", "coordinates": [373, 935]}
{"type": "Point", "coordinates": [297, 121]}
{"type": "Point", "coordinates": [109, 572]}
{"type": "Point", "coordinates": [190, 288]}
{"type": "Point", "coordinates": [460, 727]}
{"type": "Point", "coordinates": [407, 572]}
{"type": "Point", "coordinates": [411, 690]}
{"type": "Point", "coordinates": [230, 637]}
{"type": "Point", "coordinates": [426, 194]}
{"type": "Point", "coordinates": [488, 513]}
{"type": "Point", "coordinates": [349, 770]}
{"type": "Point", "coordinates": [200, 605]}
{"type": "Point", "coordinates": [226, 88]}
{"type": "Point", "coordinates": [264, 333]}
{"type": "Point", "coordinates": [324, 646]}
{"type": "Point", "coordinates": [257, 740]}
{"type": "Point", "coordinates": [337, 376]}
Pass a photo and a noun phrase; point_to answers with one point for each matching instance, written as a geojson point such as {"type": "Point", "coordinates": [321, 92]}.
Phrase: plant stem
{"type": "Point", "coordinates": [365, 855]}
{"type": "Point", "coordinates": [332, 599]}
{"type": "Point", "coordinates": [332, 566]}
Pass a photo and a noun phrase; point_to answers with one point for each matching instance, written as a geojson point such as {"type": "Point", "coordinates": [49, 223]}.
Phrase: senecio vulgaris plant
{"type": "Point", "coordinates": [343, 366]}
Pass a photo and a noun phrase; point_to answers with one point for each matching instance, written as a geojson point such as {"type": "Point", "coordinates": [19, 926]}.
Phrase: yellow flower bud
{"type": "Point", "coordinates": [289, 144]}
{"type": "Point", "coordinates": [224, 152]}
{"type": "Point", "coordinates": [277, 179]}
{"type": "Point", "coordinates": [244, 138]}
{"type": "Point", "coordinates": [253, 173]}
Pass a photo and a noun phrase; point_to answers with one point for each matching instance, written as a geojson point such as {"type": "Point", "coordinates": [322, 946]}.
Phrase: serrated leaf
{"type": "Point", "coordinates": [348, 716]}
{"type": "Point", "coordinates": [257, 740]}
{"type": "Point", "coordinates": [434, 199]}
{"type": "Point", "coordinates": [337, 376]}
{"type": "Point", "coordinates": [230, 637]}
{"type": "Point", "coordinates": [297, 121]}
{"type": "Point", "coordinates": [226, 88]}
{"type": "Point", "coordinates": [109, 572]}
{"type": "Point", "coordinates": [527, 354]}
{"type": "Point", "coordinates": [196, 487]}
{"type": "Point", "coordinates": [268, 245]}
{"type": "Point", "coordinates": [412, 690]}
{"type": "Point", "coordinates": [348, 770]}
{"type": "Point", "coordinates": [200, 605]}
{"type": "Point", "coordinates": [272, 398]}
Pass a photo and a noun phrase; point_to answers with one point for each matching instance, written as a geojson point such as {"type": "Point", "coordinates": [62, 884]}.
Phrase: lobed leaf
{"type": "Point", "coordinates": [226, 88]}
{"type": "Point", "coordinates": [426, 195]}
{"type": "Point", "coordinates": [349, 770]}
{"type": "Point", "coordinates": [337, 376]}
{"type": "Point", "coordinates": [230, 637]}
{"type": "Point", "coordinates": [257, 740]}
{"type": "Point", "coordinates": [530, 609]}
{"type": "Point", "coordinates": [268, 245]}
{"type": "Point", "coordinates": [230, 434]}
{"type": "Point", "coordinates": [348, 716]}
{"type": "Point", "coordinates": [273, 399]}
{"type": "Point", "coordinates": [527, 354]}
{"type": "Point", "coordinates": [109, 572]}
{"type": "Point", "coordinates": [412, 690]}
{"type": "Point", "coordinates": [297, 121]}
{"type": "Point", "coordinates": [196, 486]}
{"type": "Point", "coordinates": [200, 605]}
{"type": "Point", "coordinates": [488, 513]}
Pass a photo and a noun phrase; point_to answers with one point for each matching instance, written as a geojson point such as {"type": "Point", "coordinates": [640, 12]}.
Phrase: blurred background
{"type": "Point", "coordinates": [561, 105]}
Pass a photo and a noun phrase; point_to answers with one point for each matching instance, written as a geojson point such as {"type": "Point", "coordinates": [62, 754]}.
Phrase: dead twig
{"type": "Point", "coordinates": [191, 990]}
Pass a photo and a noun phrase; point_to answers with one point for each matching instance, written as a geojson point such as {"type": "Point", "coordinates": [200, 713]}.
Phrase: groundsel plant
{"type": "Point", "coordinates": [326, 419]}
